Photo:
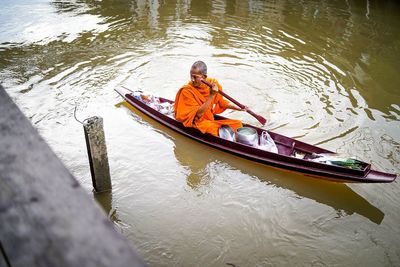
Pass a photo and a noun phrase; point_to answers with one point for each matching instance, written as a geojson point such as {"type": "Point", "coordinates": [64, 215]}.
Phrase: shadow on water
{"type": "Point", "coordinates": [104, 199]}
{"type": "Point", "coordinates": [191, 154]}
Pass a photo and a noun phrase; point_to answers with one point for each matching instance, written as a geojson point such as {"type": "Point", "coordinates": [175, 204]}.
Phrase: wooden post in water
{"type": "Point", "coordinates": [97, 153]}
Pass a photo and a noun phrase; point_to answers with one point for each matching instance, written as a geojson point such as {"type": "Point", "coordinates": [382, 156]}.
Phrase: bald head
{"type": "Point", "coordinates": [200, 67]}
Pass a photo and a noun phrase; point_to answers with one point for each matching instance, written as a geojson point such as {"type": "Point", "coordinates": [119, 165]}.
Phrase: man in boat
{"type": "Point", "coordinates": [196, 103]}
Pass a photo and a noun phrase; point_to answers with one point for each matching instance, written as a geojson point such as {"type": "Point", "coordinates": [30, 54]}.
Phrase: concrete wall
{"type": "Point", "coordinates": [46, 217]}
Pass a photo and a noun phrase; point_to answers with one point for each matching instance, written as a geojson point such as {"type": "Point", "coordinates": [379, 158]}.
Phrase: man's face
{"type": "Point", "coordinates": [196, 76]}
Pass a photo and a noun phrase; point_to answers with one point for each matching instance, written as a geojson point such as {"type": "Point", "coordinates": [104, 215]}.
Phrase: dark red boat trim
{"type": "Point", "coordinates": [280, 160]}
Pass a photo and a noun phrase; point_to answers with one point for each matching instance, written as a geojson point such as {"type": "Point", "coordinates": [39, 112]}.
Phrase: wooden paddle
{"type": "Point", "coordinates": [261, 119]}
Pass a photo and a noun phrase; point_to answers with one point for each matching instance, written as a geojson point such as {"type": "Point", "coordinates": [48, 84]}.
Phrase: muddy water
{"type": "Point", "coordinates": [325, 72]}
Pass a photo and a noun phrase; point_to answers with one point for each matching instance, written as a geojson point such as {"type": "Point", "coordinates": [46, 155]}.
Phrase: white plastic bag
{"type": "Point", "coordinates": [166, 108]}
{"type": "Point", "coordinates": [267, 143]}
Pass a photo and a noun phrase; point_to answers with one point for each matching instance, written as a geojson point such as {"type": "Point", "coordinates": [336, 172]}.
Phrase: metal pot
{"type": "Point", "coordinates": [247, 136]}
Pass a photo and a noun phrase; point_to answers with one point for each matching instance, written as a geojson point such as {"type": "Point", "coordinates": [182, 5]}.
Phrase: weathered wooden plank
{"type": "Point", "coordinates": [46, 218]}
{"type": "Point", "coordinates": [97, 153]}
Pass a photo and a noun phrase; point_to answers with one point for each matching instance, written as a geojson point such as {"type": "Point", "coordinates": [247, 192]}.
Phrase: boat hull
{"type": "Point", "coordinates": [281, 160]}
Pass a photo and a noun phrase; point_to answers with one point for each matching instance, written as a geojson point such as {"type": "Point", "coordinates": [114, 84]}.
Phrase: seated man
{"type": "Point", "coordinates": [196, 103]}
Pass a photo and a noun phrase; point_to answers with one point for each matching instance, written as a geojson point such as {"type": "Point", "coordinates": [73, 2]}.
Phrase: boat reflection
{"type": "Point", "coordinates": [191, 154]}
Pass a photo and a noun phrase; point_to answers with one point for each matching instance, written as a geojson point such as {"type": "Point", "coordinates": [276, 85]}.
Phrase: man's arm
{"type": "Point", "coordinates": [230, 106]}
{"type": "Point", "coordinates": [205, 105]}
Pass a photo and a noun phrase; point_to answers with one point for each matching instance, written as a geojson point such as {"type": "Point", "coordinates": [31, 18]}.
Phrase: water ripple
{"type": "Point", "coordinates": [319, 71]}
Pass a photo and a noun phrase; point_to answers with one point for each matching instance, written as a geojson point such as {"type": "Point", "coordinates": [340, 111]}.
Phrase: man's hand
{"type": "Point", "coordinates": [245, 108]}
{"type": "Point", "coordinates": [214, 89]}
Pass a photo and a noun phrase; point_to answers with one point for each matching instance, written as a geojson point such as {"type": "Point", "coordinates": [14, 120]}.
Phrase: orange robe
{"type": "Point", "coordinates": [189, 99]}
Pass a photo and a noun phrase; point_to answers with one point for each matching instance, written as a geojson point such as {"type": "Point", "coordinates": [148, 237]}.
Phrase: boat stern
{"type": "Point", "coordinates": [380, 177]}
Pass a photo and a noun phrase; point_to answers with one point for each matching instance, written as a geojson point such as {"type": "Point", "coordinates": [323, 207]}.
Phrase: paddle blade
{"type": "Point", "coordinates": [261, 119]}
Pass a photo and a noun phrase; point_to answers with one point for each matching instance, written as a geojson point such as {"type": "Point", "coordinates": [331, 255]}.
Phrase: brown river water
{"type": "Point", "coordinates": [324, 72]}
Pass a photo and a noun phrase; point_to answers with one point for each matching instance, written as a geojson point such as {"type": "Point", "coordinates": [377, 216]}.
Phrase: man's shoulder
{"type": "Point", "coordinates": [211, 80]}
{"type": "Point", "coordinates": [185, 86]}
{"type": "Point", "coordinates": [186, 90]}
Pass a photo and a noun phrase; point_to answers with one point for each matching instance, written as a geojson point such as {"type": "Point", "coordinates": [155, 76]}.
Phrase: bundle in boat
{"type": "Point", "coordinates": [339, 160]}
{"type": "Point", "coordinates": [154, 102]}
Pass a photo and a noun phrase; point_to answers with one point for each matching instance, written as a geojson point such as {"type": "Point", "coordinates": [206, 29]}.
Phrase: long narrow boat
{"type": "Point", "coordinates": [284, 159]}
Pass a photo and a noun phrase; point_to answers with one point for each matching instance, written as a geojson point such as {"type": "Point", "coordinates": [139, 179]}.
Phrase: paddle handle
{"type": "Point", "coordinates": [261, 119]}
{"type": "Point", "coordinates": [258, 117]}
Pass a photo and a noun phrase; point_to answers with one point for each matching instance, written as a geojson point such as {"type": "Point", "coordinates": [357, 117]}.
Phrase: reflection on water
{"type": "Point", "coordinates": [105, 200]}
{"type": "Point", "coordinates": [324, 72]}
{"type": "Point", "coordinates": [230, 186]}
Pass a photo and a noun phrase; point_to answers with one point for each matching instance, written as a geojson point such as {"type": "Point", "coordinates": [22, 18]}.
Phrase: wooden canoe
{"type": "Point", "coordinates": [284, 159]}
